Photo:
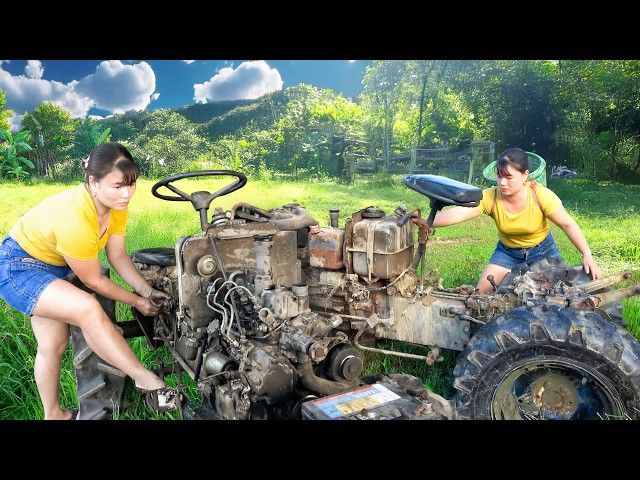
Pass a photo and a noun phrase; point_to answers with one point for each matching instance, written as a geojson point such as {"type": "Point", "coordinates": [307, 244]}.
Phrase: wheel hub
{"type": "Point", "coordinates": [556, 393]}
{"type": "Point", "coordinates": [551, 392]}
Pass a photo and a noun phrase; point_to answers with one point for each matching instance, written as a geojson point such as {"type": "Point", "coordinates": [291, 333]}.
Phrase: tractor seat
{"type": "Point", "coordinates": [164, 256]}
{"type": "Point", "coordinates": [443, 190]}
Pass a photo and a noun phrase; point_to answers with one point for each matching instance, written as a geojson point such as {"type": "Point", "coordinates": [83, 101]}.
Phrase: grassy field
{"type": "Point", "coordinates": [609, 215]}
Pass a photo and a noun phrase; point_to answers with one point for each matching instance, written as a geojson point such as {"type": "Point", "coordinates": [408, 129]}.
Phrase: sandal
{"type": "Point", "coordinates": [165, 399]}
{"type": "Point", "coordinates": [74, 413]}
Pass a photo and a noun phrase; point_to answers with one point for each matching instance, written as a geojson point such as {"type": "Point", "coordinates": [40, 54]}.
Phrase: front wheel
{"type": "Point", "coordinates": [547, 362]}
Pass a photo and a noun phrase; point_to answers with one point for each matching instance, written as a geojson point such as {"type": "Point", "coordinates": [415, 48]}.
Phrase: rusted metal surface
{"type": "Point", "coordinates": [325, 247]}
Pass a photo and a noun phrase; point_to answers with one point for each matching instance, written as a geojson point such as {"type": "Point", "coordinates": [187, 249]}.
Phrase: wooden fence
{"type": "Point", "coordinates": [464, 165]}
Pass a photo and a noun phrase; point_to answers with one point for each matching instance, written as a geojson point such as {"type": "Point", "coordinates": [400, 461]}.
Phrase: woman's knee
{"type": "Point", "coordinates": [52, 349]}
{"type": "Point", "coordinates": [52, 337]}
{"type": "Point", "coordinates": [91, 312]}
{"type": "Point", "coordinates": [492, 275]}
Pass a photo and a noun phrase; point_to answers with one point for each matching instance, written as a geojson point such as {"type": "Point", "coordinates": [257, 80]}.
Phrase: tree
{"type": "Point", "coordinates": [166, 143]}
{"type": "Point", "coordinates": [513, 101]}
{"type": "Point", "coordinates": [53, 135]}
{"type": "Point", "coordinates": [381, 82]}
{"type": "Point", "coordinates": [434, 112]}
{"type": "Point", "coordinates": [602, 128]}
{"type": "Point", "coordinates": [5, 113]}
{"type": "Point", "coordinates": [312, 118]}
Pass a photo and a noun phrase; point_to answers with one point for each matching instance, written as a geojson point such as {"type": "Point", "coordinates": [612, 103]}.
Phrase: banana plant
{"type": "Point", "coordinates": [12, 163]}
{"type": "Point", "coordinates": [98, 137]}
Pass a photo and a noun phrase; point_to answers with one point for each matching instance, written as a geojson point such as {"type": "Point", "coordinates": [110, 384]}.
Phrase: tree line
{"type": "Point", "coordinates": [582, 114]}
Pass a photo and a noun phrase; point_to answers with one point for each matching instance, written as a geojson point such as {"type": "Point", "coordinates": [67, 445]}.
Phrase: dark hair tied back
{"type": "Point", "coordinates": [514, 157]}
{"type": "Point", "coordinates": [108, 156]}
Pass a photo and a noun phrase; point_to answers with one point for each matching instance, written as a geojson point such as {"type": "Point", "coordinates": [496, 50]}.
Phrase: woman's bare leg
{"type": "Point", "coordinates": [498, 272]}
{"type": "Point", "coordinates": [63, 302]}
{"type": "Point", "coordinates": [52, 337]}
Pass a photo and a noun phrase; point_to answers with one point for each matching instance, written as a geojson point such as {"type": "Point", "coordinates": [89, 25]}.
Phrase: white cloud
{"type": "Point", "coordinates": [250, 80]}
{"type": "Point", "coordinates": [119, 88]}
{"type": "Point", "coordinates": [115, 87]}
{"type": "Point", "coordinates": [34, 69]}
{"type": "Point", "coordinates": [26, 92]}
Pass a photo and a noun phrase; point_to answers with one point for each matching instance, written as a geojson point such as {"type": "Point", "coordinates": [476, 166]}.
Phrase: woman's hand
{"type": "Point", "coordinates": [153, 304]}
{"type": "Point", "coordinates": [590, 267]}
{"type": "Point", "coordinates": [158, 297]}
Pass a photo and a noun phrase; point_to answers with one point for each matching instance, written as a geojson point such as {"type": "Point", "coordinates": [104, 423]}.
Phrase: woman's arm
{"type": "Point", "coordinates": [451, 216]}
{"type": "Point", "coordinates": [123, 265]}
{"type": "Point", "coordinates": [89, 272]}
{"type": "Point", "coordinates": [121, 262]}
{"type": "Point", "coordinates": [569, 226]}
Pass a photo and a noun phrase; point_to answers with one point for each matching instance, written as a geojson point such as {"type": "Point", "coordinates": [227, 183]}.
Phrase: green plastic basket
{"type": "Point", "coordinates": [537, 170]}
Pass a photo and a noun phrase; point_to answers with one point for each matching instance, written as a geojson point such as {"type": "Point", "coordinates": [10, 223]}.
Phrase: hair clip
{"type": "Point", "coordinates": [86, 161]}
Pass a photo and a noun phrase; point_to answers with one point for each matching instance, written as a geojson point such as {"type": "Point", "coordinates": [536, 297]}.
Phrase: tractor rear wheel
{"type": "Point", "coordinates": [547, 362]}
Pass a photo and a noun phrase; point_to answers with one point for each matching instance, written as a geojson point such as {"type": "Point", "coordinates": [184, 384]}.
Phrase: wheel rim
{"type": "Point", "coordinates": [555, 390]}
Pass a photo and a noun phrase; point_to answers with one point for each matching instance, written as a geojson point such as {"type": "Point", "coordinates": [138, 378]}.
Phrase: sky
{"type": "Point", "coordinates": [98, 88]}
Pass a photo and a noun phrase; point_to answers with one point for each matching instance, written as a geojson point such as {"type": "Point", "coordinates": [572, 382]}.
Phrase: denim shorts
{"type": "Point", "coordinates": [510, 257]}
{"type": "Point", "coordinates": [24, 278]}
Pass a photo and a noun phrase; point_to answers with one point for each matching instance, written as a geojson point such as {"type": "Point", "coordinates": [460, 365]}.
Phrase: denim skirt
{"type": "Point", "coordinates": [510, 257]}
{"type": "Point", "coordinates": [24, 278]}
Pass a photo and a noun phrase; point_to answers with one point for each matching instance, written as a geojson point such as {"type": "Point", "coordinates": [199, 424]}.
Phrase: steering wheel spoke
{"type": "Point", "coordinates": [178, 192]}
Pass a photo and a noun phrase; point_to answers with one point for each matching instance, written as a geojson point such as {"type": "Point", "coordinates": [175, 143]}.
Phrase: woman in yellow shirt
{"type": "Point", "coordinates": [520, 209]}
{"type": "Point", "coordinates": [63, 234]}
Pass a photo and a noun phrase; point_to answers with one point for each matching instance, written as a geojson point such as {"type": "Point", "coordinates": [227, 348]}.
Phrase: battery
{"type": "Point", "coordinates": [369, 402]}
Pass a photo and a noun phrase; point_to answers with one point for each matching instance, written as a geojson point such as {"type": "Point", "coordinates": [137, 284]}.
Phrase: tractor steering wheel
{"type": "Point", "coordinates": [200, 200]}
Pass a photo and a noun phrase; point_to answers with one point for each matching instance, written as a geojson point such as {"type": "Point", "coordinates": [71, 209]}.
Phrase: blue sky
{"type": "Point", "coordinates": [105, 87]}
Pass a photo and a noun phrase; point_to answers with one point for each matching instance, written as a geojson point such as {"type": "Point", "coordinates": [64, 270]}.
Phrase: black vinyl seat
{"type": "Point", "coordinates": [444, 190]}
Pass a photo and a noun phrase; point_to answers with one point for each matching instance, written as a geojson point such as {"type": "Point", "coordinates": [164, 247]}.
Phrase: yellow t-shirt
{"type": "Point", "coordinates": [66, 223]}
{"type": "Point", "coordinates": [528, 227]}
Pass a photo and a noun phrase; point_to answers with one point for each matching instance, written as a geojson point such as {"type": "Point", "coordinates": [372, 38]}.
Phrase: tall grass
{"type": "Point", "coordinates": [609, 215]}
